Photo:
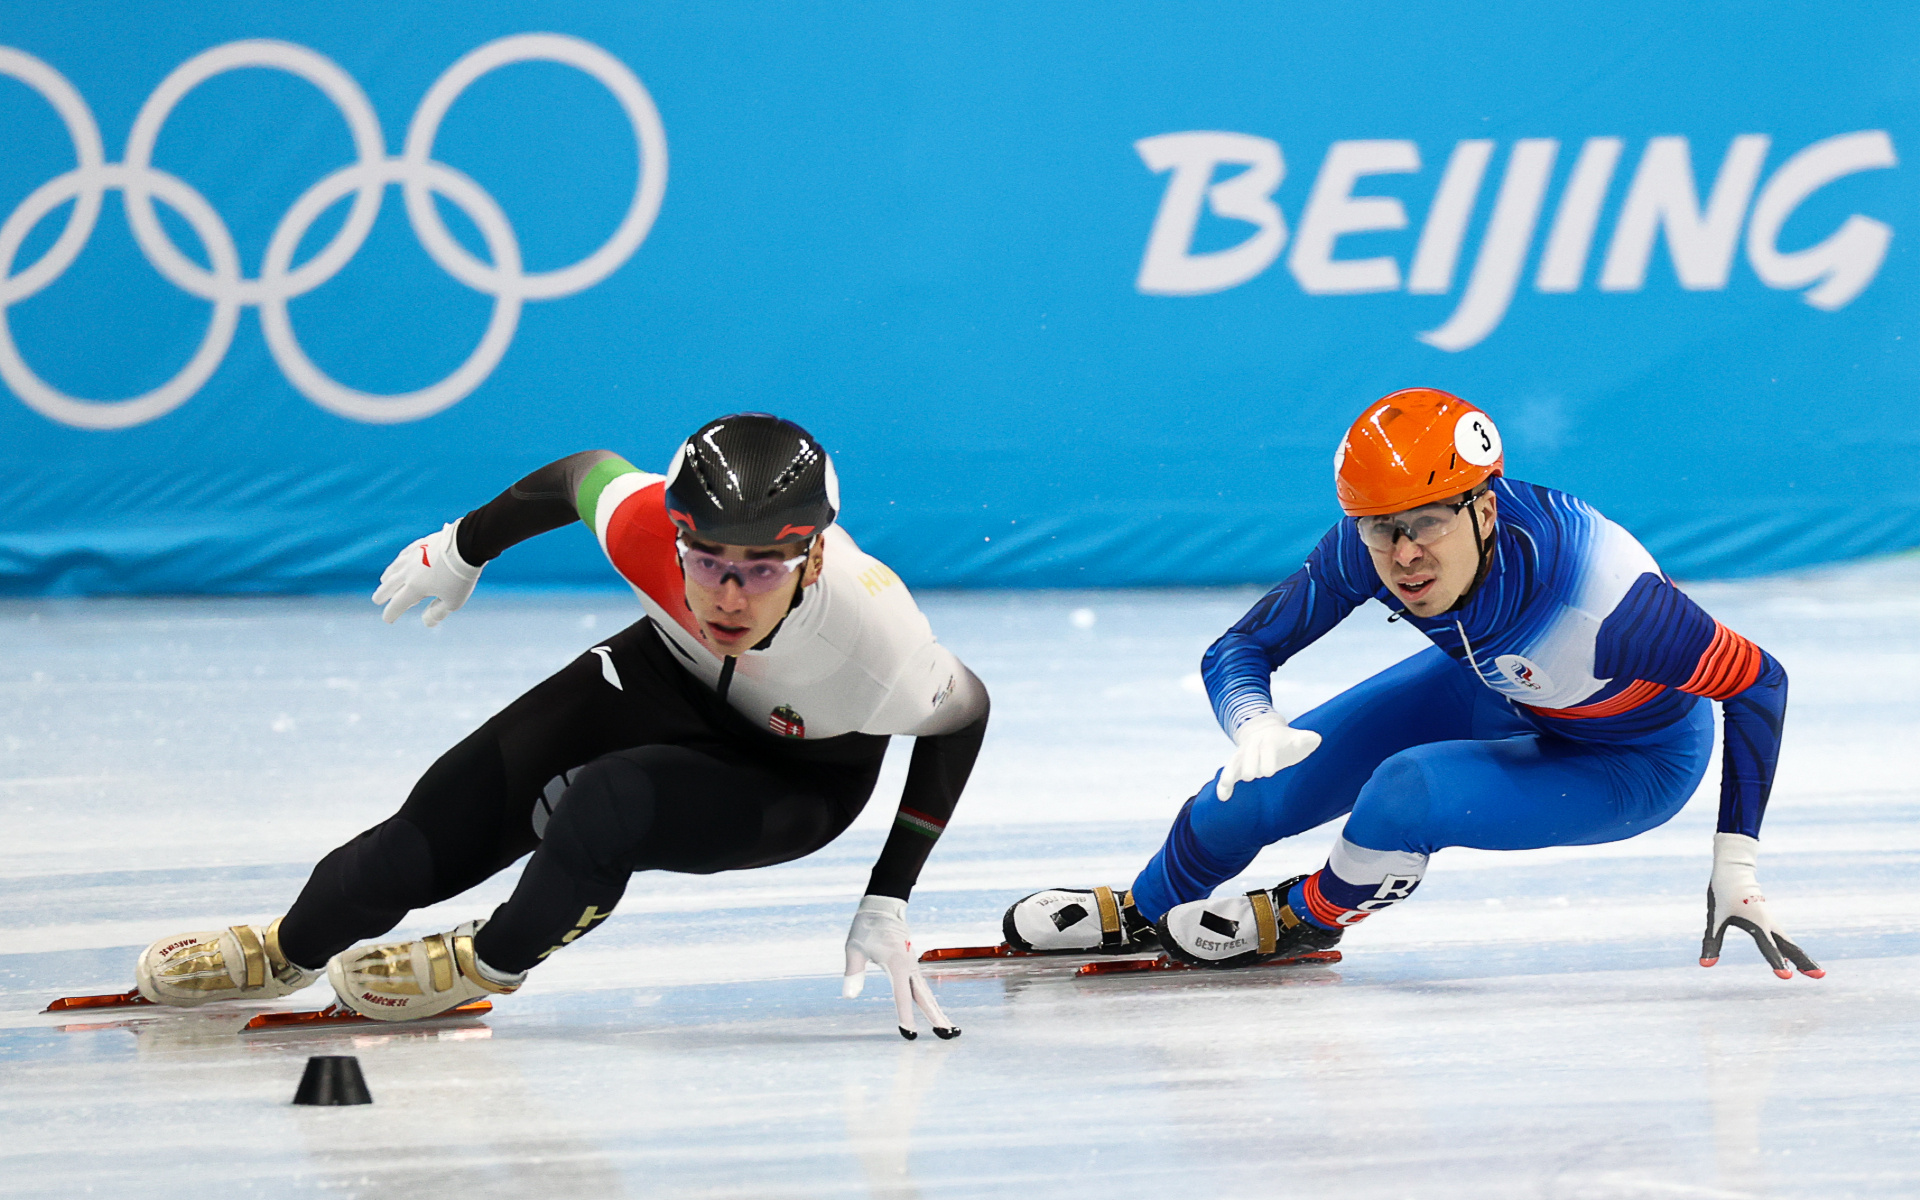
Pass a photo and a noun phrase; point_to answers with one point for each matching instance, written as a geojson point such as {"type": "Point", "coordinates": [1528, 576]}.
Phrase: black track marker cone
{"type": "Point", "coordinates": [333, 1079]}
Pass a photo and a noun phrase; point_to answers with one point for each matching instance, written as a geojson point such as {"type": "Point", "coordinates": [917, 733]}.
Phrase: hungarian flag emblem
{"type": "Point", "coordinates": [787, 723]}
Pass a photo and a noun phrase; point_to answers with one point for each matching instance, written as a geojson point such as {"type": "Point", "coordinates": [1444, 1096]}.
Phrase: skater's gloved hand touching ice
{"type": "Point", "coordinates": [879, 936]}
{"type": "Point", "coordinates": [1263, 745]}
{"type": "Point", "coordinates": [431, 566]}
{"type": "Point", "coordinates": [1733, 898]}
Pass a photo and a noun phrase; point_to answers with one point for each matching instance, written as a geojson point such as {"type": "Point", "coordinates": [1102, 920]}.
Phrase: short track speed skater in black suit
{"type": "Point", "coordinates": [740, 723]}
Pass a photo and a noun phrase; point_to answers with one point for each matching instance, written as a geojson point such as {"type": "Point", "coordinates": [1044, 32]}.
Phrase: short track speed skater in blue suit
{"type": "Point", "coordinates": [1564, 702]}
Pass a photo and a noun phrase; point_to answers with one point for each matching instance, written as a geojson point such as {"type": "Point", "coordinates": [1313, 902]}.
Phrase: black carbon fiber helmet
{"type": "Point", "coordinates": [752, 479]}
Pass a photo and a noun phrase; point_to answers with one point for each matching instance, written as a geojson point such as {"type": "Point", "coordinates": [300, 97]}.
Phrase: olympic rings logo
{"type": "Point", "coordinates": [221, 282]}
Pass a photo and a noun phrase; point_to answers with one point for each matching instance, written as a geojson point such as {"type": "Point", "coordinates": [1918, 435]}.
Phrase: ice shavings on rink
{"type": "Point", "coordinates": [1531, 1024]}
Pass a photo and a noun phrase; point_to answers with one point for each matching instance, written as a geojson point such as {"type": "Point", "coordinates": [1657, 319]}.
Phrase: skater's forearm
{"type": "Point", "coordinates": [1754, 719]}
{"type": "Point", "coordinates": [1239, 681]}
{"type": "Point", "coordinates": [1238, 668]}
{"type": "Point", "coordinates": [936, 776]}
{"type": "Point", "coordinates": [543, 501]}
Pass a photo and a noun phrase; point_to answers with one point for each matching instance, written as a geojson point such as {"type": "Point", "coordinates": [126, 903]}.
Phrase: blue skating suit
{"type": "Point", "coordinates": [1562, 705]}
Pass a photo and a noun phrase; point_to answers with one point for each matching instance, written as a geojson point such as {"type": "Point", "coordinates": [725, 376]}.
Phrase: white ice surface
{"type": "Point", "coordinates": [1531, 1025]}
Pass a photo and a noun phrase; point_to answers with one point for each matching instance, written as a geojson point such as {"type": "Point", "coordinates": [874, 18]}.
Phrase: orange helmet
{"type": "Point", "coordinates": [1414, 447]}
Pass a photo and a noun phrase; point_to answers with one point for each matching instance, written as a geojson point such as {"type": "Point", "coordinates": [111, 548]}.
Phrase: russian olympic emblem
{"type": "Point", "coordinates": [414, 170]}
{"type": "Point", "coordinates": [1523, 672]}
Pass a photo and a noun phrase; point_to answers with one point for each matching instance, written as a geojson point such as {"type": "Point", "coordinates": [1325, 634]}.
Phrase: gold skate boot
{"type": "Point", "coordinates": [242, 962]}
{"type": "Point", "coordinates": [404, 981]}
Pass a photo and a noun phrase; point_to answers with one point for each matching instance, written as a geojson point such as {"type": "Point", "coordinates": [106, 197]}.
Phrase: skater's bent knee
{"type": "Point", "coordinates": [613, 777]}
{"type": "Point", "coordinates": [604, 813]}
{"type": "Point", "coordinates": [1394, 807]}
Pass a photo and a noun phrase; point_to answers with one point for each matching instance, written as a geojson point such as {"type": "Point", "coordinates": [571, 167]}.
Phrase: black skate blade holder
{"type": "Point", "coordinates": [332, 1079]}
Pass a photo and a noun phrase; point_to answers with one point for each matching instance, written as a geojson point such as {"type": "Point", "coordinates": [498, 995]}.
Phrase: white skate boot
{"type": "Point", "coordinates": [239, 963]}
{"type": "Point", "coordinates": [1077, 921]}
{"type": "Point", "coordinates": [1238, 931]}
{"type": "Point", "coordinates": [404, 981]}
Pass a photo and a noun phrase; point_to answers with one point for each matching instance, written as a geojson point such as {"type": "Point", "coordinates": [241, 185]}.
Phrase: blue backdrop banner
{"type": "Point", "coordinates": [1076, 294]}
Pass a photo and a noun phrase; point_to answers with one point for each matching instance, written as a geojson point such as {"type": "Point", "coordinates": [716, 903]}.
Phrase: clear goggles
{"type": "Point", "coordinates": [1422, 526]}
{"type": "Point", "coordinates": [754, 575]}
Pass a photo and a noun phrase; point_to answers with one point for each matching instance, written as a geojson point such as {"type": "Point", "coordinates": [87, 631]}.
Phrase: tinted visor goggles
{"type": "Point", "coordinates": [754, 575]}
{"type": "Point", "coordinates": [1422, 526]}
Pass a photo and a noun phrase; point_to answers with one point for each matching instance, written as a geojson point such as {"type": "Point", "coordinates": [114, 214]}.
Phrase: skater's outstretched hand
{"type": "Point", "coordinates": [431, 566]}
{"type": "Point", "coordinates": [879, 936]}
{"type": "Point", "coordinates": [1263, 745]}
{"type": "Point", "coordinates": [1733, 898]}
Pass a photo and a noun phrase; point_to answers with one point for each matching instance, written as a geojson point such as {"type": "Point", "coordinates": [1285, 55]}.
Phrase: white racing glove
{"type": "Point", "coordinates": [1733, 898]}
{"type": "Point", "coordinates": [1263, 745]}
{"type": "Point", "coordinates": [433, 567]}
{"type": "Point", "coordinates": [879, 936]}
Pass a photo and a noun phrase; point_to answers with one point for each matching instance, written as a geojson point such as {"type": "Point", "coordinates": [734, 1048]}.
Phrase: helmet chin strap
{"type": "Point", "coordinates": [1483, 547]}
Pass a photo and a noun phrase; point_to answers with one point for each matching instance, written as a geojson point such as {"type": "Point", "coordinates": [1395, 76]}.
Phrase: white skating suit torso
{"type": "Point", "coordinates": [856, 656]}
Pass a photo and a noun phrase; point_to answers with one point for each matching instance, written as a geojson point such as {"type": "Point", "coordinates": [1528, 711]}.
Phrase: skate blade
{"type": "Point", "coordinates": [956, 953]}
{"type": "Point", "coordinates": [335, 1014]}
{"type": "Point", "coordinates": [1126, 966]}
{"type": "Point", "coordinates": [131, 999]}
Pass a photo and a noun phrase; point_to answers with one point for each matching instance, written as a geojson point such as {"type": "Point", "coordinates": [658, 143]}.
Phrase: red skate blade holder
{"type": "Point", "coordinates": [1124, 966]}
{"type": "Point", "coordinates": [957, 953]}
{"type": "Point", "coordinates": [1110, 966]}
{"type": "Point", "coordinates": [335, 1014]}
{"type": "Point", "coordinates": [131, 999]}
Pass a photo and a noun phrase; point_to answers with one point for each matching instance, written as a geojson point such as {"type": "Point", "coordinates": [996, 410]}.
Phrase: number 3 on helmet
{"type": "Point", "coordinates": [1414, 447]}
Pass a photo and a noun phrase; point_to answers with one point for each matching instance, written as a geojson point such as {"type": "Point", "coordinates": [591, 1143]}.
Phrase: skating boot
{"type": "Point", "coordinates": [404, 981]}
{"type": "Point", "coordinates": [240, 963]}
{"type": "Point", "coordinates": [1077, 921]}
{"type": "Point", "coordinates": [1238, 931]}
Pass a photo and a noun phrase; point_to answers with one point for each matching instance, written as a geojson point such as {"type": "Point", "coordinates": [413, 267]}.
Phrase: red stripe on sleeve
{"type": "Point", "coordinates": [1728, 667]}
{"type": "Point", "coordinates": [640, 543]}
{"type": "Point", "coordinates": [1631, 697]}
